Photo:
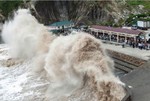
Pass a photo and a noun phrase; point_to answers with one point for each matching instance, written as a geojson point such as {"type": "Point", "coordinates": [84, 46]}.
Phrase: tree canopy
{"type": "Point", "coordinates": [7, 6]}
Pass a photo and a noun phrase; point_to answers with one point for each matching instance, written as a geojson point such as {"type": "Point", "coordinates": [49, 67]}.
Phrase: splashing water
{"type": "Point", "coordinates": [76, 65]}
{"type": "Point", "coordinates": [22, 34]}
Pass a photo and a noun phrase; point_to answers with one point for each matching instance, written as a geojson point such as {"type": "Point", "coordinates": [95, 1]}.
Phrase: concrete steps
{"type": "Point", "coordinates": [125, 62]}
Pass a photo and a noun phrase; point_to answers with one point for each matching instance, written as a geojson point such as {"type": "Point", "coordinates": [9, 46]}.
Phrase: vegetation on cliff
{"type": "Point", "coordinates": [145, 3]}
{"type": "Point", "coordinates": [6, 7]}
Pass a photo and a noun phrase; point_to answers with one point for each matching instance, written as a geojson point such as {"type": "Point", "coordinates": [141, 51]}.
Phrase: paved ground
{"type": "Point", "coordinates": [143, 54]}
{"type": "Point", "coordinates": [140, 81]}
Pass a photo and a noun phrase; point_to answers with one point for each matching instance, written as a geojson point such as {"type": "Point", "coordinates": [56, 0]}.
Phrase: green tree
{"type": "Point", "coordinates": [8, 6]}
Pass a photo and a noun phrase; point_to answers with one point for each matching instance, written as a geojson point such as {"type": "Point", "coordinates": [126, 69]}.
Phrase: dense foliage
{"type": "Point", "coordinates": [145, 3]}
{"type": "Point", "coordinates": [7, 6]}
{"type": "Point", "coordinates": [132, 20]}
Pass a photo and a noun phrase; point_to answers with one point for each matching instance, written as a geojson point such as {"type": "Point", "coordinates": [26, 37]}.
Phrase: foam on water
{"type": "Point", "coordinates": [17, 83]}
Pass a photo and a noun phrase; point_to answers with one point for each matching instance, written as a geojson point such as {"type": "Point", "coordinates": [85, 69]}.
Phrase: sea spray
{"type": "Point", "coordinates": [22, 34]}
{"type": "Point", "coordinates": [76, 65]}
{"type": "Point", "coordinates": [70, 60]}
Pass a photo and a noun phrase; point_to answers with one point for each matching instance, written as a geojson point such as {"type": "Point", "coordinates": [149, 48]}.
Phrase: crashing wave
{"type": "Point", "coordinates": [76, 65]}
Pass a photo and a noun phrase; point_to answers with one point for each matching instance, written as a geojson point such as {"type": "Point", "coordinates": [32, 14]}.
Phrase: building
{"type": "Point", "coordinates": [115, 34]}
{"type": "Point", "coordinates": [143, 24]}
{"type": "Point", "coordinates": [61, 27]}
{"type": "Point", "coordinates": [61, 24]}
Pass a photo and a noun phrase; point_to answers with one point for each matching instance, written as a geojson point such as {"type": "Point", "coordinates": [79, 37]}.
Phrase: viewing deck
{"type": "Point", "coordinates": [135, 63]}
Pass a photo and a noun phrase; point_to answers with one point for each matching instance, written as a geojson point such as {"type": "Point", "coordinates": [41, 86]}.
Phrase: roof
{"type": "Point", "coordinates": [128, 31]}
{"type": "Point", "coordinates": [62, 23]}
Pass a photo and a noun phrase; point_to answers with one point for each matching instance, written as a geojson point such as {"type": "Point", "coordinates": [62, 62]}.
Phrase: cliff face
{"type": "Point", "coordinates": [97, 12]}
{"type": "Point", "coordinates": [104, 12]}
{"type": "Point", "coordinates": [78, 11]}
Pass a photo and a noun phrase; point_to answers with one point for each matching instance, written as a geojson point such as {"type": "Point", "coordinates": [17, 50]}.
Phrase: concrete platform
{"type": "Point", "coordinates": [142, 54]}
{"type": "Point", "coordinates": [139, 79]}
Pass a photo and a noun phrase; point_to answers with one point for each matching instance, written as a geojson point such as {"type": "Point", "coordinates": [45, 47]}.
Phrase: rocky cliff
{"type": "Point", "coordinates": [104, 12]}
{"type": "Point", "coordinates": [77, 11]}
{"type": "Point", "coordinates": [98, 12]}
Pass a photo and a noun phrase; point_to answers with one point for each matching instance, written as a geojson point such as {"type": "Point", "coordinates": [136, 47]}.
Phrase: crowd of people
{"type": "Point", "coordinates": [129, 42]}
{"type": "Point", "coordinates": [139, 43]}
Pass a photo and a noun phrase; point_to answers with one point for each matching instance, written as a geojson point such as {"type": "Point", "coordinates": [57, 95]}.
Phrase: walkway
{"type": "Point", "coordinates": [143, 54]}
{"type": "Point", "coordinates": [139, 80]}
